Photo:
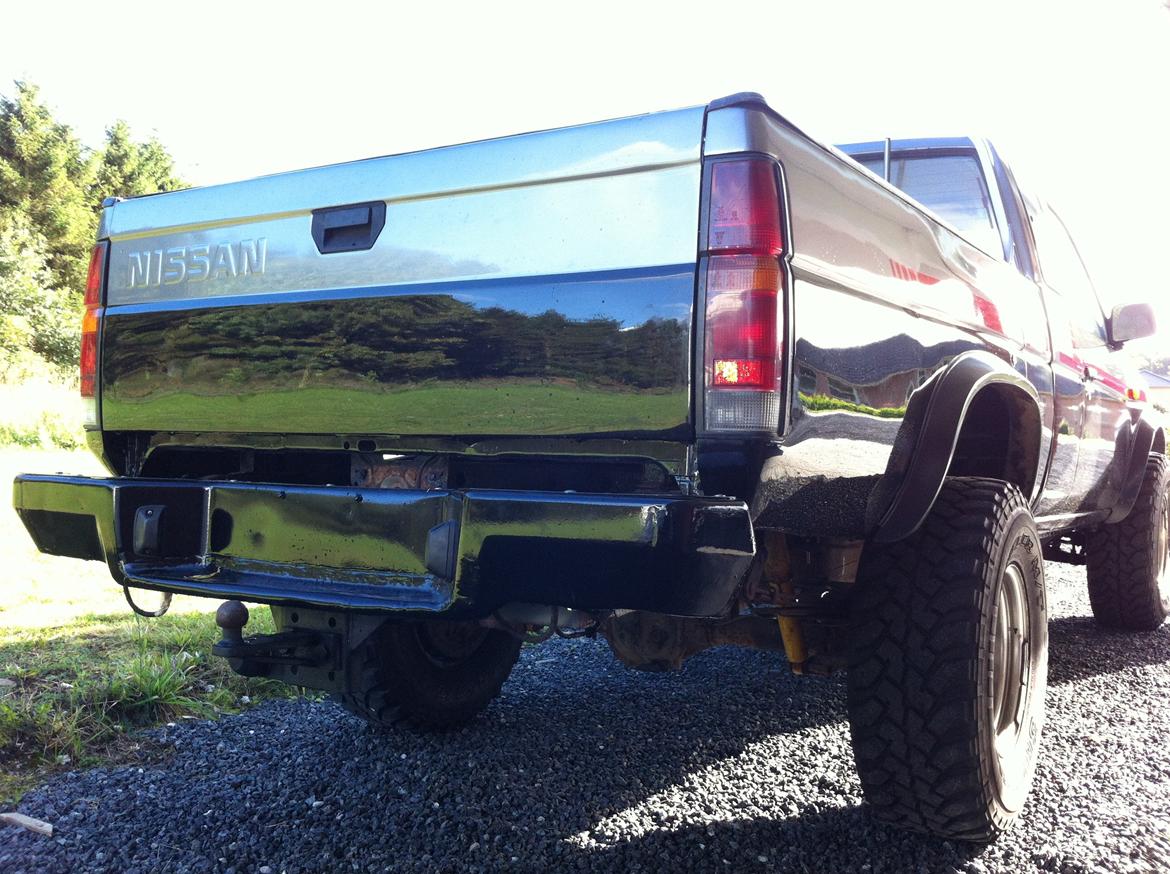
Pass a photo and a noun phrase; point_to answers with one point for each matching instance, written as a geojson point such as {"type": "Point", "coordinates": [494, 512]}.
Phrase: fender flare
{"type": "Point", "coordinates": [1145, 439]}
{"type": "Point", "coordinates": [926, 444]}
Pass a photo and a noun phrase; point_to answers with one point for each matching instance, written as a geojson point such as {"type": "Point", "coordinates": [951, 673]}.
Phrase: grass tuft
{"type": "Point", "coordinates": [81, 689]}
{"type": "Point", "coordinates": [80, 673]}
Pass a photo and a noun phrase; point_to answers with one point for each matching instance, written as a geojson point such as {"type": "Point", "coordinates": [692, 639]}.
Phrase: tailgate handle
{"type": "Point", "coordinates": [349, 228]}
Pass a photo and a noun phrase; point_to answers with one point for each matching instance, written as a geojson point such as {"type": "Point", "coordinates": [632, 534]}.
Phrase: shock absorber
{"type": "Point", "coordinates": [778, 572]}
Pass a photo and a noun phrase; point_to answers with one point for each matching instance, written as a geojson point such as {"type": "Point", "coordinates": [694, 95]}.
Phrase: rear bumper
{"type": "Point", "coordinates": [459, 553]}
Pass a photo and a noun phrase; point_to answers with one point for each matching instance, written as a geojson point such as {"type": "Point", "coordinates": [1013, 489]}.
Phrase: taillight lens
{"type": "Point", "coordinates": [743, 340]}
{"type": "Point", "coordinates": [742, 321]}
{"type": "Point", "coordinates": [745, 208]}
{"type": "Point", "coordinates": [90, 323]}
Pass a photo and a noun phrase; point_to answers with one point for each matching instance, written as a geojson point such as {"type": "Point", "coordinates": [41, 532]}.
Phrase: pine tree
{"type": "Point", "coordinates": [128, 169]}
{"type": "Point", "coordinates": [51, 188]}
{"type": "Point", "coordinates": [46, 173]}
{"type": "Point", "coordinates": [35, 316]}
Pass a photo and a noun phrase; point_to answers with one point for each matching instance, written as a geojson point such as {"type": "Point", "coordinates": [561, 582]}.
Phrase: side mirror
{"type": "Point", "coordinates": [1131, 321]}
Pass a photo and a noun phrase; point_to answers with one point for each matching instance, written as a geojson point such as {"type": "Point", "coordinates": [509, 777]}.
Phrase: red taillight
{"type": "Point", "coordinates": [745, 208]}
{"type": "Point", "coordinates": [97, 273]}
{"type": "Point", "coordinates": [742, 321]}
{"type": "Point", "coordinates": [89, 323]}
{"type": "Point", "coordinates": [91, 320]}
{"type": "Point", "coordinates": [744, 306]}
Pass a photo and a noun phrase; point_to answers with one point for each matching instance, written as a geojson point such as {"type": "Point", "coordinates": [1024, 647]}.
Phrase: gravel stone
{"type": "Point", "coordinates": [582, 765]}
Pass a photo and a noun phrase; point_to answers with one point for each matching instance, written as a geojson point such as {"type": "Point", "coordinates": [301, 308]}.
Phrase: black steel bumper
{"type": "Point", "coordinates": [461, 553]}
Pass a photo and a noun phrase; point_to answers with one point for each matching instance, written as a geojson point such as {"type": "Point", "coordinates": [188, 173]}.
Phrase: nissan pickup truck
{"type": "Point", "coordinates": [676, 381]}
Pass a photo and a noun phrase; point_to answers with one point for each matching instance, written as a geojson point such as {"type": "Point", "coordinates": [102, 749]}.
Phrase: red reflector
{"type": "Point", "coordinates": [988, 312]}
{"type": "Point", "coordinates": [745, 208]}
{"type": "Point", "coordinates": [91, 319]}
{"type": "Point", "coordinates": [88, 364]}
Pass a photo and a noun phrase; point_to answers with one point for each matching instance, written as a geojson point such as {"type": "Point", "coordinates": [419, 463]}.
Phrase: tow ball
{"type": "Point", "coordinates": [255, 656]}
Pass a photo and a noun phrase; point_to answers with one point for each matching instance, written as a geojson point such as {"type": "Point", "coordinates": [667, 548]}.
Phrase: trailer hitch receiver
{"type": "Point", "coordinates": [254, 656]}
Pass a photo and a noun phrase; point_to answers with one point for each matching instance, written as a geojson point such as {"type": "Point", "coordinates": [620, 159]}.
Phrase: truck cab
{"type": "Point", "coordinates": [967, 183]}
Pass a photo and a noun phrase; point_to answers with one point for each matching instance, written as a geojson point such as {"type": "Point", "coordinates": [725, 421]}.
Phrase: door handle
{"type": "Point", "coordinates": [349, 228]}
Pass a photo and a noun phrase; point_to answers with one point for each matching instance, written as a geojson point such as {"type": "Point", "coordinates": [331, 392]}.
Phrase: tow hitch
{"type": "Point", "coordinates": [259, 654]}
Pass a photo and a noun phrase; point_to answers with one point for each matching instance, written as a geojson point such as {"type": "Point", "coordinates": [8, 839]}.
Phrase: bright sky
{"type": "Point", "coordinates": [1077, 92]}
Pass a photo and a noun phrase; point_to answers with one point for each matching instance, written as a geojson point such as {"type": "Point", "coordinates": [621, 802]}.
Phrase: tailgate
{"type": "Point", "coordinates": [539, 284]}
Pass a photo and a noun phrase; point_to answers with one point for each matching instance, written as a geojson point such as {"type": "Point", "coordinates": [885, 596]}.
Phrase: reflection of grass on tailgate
{"type": "Point", "coordinates": [488, 408]}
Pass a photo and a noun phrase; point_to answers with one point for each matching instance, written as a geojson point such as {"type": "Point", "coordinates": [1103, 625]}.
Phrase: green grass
{"type": "Point", "coordinates": [83, 687]}
{"type": "Point", "coordinates": [474, 408]}
{"type": "Point", "coordinates": [49, 431]}
{"type": "Point", "coordinates": [40, 413]}
{"type": "Point", "coordinates": [82, 672]}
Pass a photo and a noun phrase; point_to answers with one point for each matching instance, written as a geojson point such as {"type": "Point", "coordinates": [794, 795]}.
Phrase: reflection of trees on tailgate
{"type": "Point", "coordinates": [391, 340]}
{"type": "Point", "coordinates": [880, 375]}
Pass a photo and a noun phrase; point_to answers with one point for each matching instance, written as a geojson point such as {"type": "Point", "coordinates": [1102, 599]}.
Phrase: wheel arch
{"type": "Point", "coordinates": [981, 417]}
{"type": "Point", "coordinates": [1143, 440]}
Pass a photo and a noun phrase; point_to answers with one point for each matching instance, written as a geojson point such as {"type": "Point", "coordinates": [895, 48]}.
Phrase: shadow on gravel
{"type": "Point", "coordinates": [581, 765]}
{"type": "Point", "coordinates": [302, 786]}
{"type": "Point", "coordinates": [835, 840]}
{"type": "Point", "coordinates": [592, 736]}
{"type": "Point", "coordinates": [1078, 648]}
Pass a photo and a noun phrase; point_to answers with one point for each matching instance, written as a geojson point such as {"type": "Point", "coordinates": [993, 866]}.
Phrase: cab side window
{"type": "Point", "coordinates": [1019, 252]}
{"type": "Point", "coordinates": [1065, 274]}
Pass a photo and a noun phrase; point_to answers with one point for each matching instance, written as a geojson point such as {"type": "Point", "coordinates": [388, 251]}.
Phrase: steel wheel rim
{"type": "Point", "coordinates": [1011, 674]}
{"type": "Point", "coordinates": [447, 644]}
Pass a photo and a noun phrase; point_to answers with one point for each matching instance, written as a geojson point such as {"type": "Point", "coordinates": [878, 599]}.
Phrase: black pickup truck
{"type": "Point", "coordinates": [680, 380]}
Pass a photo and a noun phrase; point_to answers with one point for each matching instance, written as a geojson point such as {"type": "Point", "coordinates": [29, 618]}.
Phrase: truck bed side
{"type": "Point", "coordinates": [885, 297]}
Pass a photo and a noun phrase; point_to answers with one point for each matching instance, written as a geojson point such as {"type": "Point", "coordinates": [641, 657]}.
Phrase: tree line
{"type": "Point", "coordinates": [51, 188]}
{"type": "Point", "coordinates": [392, 342]}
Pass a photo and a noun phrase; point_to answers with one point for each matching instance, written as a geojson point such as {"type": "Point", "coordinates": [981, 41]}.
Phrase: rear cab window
{"type": "Point", "coordinates": [951, 185]}
{"type": "Point", "coordinates": [967, 184]}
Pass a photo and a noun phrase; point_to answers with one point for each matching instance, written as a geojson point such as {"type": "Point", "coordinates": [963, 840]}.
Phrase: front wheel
{"type": "Point", "coordinates": [948, 665]}
{"type": "Point", "coordinates": [1129, 581]}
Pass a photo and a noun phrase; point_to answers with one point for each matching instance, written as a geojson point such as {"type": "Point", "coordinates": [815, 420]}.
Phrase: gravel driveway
{"type": "Point", "coordinates": [731, 765]}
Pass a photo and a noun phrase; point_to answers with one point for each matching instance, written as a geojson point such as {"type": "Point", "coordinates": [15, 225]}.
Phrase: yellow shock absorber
{"type": "Point", "coordinates": [793, 642]}
{"type": "Point", "coordinates": [778, 573]}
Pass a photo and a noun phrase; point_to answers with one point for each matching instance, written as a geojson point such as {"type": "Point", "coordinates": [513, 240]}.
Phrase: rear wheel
{"type": "Point", "coordinates": [434, 674]}
{"type": "Point", "coordinates": [948, 665]}
{"type": "Point", "coordinates": [1129, 587]}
